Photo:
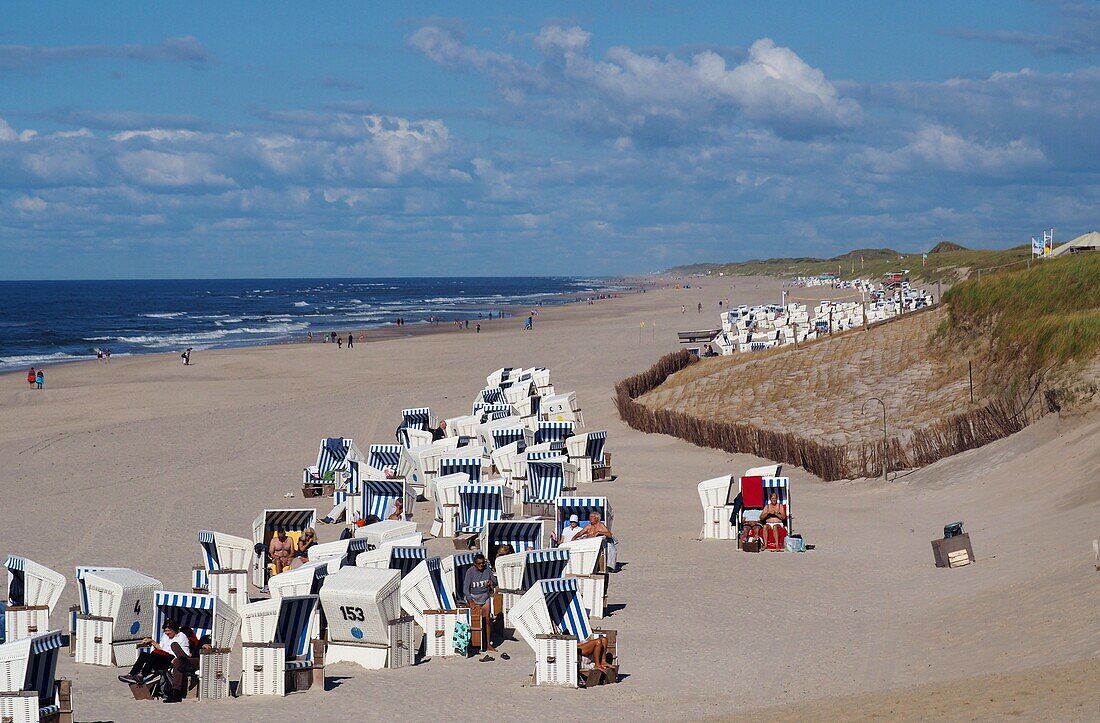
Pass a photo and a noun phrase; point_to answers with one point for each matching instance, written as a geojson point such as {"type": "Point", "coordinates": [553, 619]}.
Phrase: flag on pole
{"type": "Point", "coordinates": [1036, 247]}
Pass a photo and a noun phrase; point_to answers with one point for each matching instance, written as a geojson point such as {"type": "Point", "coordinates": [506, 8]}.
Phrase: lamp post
{"type": "Point", "coordinates": [885, 445]}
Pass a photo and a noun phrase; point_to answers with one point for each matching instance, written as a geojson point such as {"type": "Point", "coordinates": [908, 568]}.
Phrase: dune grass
{"type": "Point", "coordinates": [1048, 315]}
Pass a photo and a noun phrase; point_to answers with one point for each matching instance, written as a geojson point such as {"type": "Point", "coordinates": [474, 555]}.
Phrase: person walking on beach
{"type": "Point", "coordinates": [339, 342]}
{"type": "Point", "coordinates": [529, 324]}
{"type": "Point", "coordinates": [186, 357]}
{"type": "Point", "coordinates": [99, 355]}
{"type": "Point", "coordinates": [700, 307]}
{"type": "Point", "coordinates": [107, 354]}
{"type": "Point", "coordinates": [31, 377]}
{"type": "Point", "coordinates": [683, 309]}
{"type": "Point", "coordinates": [351, 341]}
{"type": "Point", "coordinates": [478, 328]}
{"type": "Point", "coordinates": [39, 378]}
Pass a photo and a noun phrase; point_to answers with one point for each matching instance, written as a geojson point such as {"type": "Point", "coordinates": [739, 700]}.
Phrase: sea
{"type": "Point", "coordinates": [43, 322]}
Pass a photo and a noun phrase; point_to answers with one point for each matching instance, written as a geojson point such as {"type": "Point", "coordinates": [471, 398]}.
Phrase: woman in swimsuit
{"type": "Point", "coordinates": [773, 516]}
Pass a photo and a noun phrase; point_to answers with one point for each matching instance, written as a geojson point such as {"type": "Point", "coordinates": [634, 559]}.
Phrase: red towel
{"type": "Point", "coordinates": [752, 493]}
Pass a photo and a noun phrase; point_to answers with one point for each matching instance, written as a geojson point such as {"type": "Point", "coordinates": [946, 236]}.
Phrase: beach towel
{"type": "Point", "coordinates": [752, 492]}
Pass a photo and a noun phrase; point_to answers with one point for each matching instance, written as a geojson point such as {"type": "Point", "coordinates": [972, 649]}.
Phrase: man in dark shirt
{"type": "Point", "coordinates": [477, 590]}
{"type": "Point", "coordinates": [439, 432]}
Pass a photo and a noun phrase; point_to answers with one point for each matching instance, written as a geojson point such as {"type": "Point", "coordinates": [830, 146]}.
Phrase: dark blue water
{"type": "Point", "coordinates": [56, 321]}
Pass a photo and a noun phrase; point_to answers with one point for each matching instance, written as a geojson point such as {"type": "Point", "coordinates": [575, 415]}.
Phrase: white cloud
{"type": "Point", "coordinates": [937, 148]}
{"type": "Point", "coordinates": [29, 203]}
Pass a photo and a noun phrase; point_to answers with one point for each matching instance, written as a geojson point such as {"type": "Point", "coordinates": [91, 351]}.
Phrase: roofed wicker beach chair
{"type": "Point", "coordinates": [552, 621]}
{"type": "Point", "coordinates": [33, 592]}
{"type": "Point", "coordinates": [549, 476]}
{"type": "Point", "coordinates": [29, 690]}
{"type": "Point", "coordinates": [587, 452]}
{"type": "Point", "coordinates": [118, 614]}
{"type": "Point", "coordinates": [279, 656]}
{"type": "Point", "coordinates": [561, 408]}
{"type": "Point", "coordinates": [226, 561]}
{"type": "Point", "coordinates": [755, 491]}
{"type": "Point", "coordinates": [323, 477]}
{"type": "Point", "coordinates": [402, 558]}
{"type": "Point", "coordinates": [428, 597]}
{"type": "Point", "coordinates": [519, 571]}
{"type": "Point", "coordinates": [553, 431]}
{"type": "Point", "coordinates": [480, 504]}
{"type": "Point", "coordinates": [293, 521]}
{"type": "Point", "coordinates": [208, 617]}
{"type": "Point", "coordinates": [717, 498]}
{"type": "Point", "coordinates": [365, 626]}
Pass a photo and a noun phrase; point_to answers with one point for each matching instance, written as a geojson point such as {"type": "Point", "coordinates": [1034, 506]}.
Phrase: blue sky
{"type": "Point", "coordinates": [359, 139]}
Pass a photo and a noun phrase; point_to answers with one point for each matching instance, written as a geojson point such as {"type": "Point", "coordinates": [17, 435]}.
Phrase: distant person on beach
{"type": "Point", "coordinates": [700, 307]}
{"type": "Point", "coordinates": [439, 432]}
{"type": "Point", "coordinates": [281, 551]}
{"type": "Point", "coordinates": [39, 378]}
{"type": "Point", "coordinates": [773, 516]}
{"type": "Point", "coordinates": [351, 341]}
{"type": "Point", "coordinates": [339, 342]}
{"type": "Point", "coordinates": [31, 377]}
{"type": "Point", "coordinates": [529, 324]}
{"type": "Point", "coordinates": [186, 356]}
{"type": "Point", "coordinates": [683, 309]}
{"type": "Point", "coordinates": [362, 336]}
{"type": "Point", "coordinates": [99, 355]}
{"type": "Point", "coordinates": [478, 329]}
{"type": "Point", "coordinates": [107, 354]}
{"type": "Point", "coordinates": [309, 336]}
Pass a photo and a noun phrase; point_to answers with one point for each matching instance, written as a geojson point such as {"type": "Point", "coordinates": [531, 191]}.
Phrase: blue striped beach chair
{"type": "Point", "coordinates": [507, 435]}
{"type": "Point", "coordinates": [206, 614]}
{"type": "Point", "coordinates": [453, 568]}
{"type": "Point", "coordinates": [467, 465]}
{"type": "Point", "coordinates": [781, 486]}
{"type": "Point", "coordinates": [117, 616]}
{"type": "Point", "coordinates": [519, 572]}
{"type": "Point", "coordinates": [276, 638]}
{"type": "Point", "coordinates": [32, 594]}
{"type": "Point", "coordinates": [29, 690]}
{"type": "Point", "coordinates": [380, 496]}
{"type": "Point", "coordinates": [547, 479]}
{"type": "Point", "coordinates": [487, 396]}
{"type": "Point", "coordinates": [522, 535]}
{"type": "Point", "coordinates": [552, 431]}
{"type": "Point", "coordinates": [586, 451]}
{"type": "Point", "coordinates": [424, 588]}
{"type": "Point", "coordinates": [402, 558]}
{"type": "Point", "coordinates": [332, 457]}
{"type": "Point", "coordinates": [480, 504]}
{"type": "Point", "coordinates": [264, 527]}
{"type": "Point", "coordinates": [381, 456]}
{"type": "Point", "coordinates": [416, 418]}
{"type": "Point", "coordinates": [496, 411]}
{"type": "Point", "coordinates": [226, 562]}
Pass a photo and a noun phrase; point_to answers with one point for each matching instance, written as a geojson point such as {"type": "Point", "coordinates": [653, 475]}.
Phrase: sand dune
{"type": "Point", "coordinates": [122, 463]}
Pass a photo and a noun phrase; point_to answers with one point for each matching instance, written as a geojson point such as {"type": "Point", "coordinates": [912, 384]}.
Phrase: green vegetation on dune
{"type": "Point", "coordinates": [946, 264]}
{"type": "Point", "coordinates": [1046, 315]}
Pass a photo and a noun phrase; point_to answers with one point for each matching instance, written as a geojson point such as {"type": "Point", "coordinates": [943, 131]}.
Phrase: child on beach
{"type": "Point", "coordinates": [39, 378]}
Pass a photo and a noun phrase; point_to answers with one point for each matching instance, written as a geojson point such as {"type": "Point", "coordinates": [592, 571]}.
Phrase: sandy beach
{"type": "Point", "coordinates": [122, 463]}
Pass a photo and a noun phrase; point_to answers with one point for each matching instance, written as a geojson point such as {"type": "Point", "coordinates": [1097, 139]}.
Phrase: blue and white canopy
{"type": "Point", "coordinates": [582, 507]}
{"type": "Point", "coordinates": [380, 456]}
{"type": "Point", "coordinates": [545, 480]}
{"type": "Point", "coordinates": [416, 418]}
{"type": "Point", "coordinates": [204, 613]}
{"type": "Point", "coordinates": [479, 504]}
{"type": "Point", "coordinates": [563, 603]}
{"type": "Point", "coordinates": [522, 535]}
{"type": "Point", "coordinates": [293, 628]}
{"type": "Point", "coordinates": [454, 465]}
{"type": "Point", "coordinates": [552, 431]}
{"type": "Point", "coordinates": [544, 565]}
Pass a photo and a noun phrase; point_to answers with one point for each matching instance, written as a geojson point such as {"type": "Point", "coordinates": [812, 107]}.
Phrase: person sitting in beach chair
{"type": "Point", "coordinates": [595, 649]}
{"type": "Point", "coordinates": [398, 510]}
{"type": "Point", "coordinates": [281, 551]}
{"type": "Point", "coordinates": [172, 651]}
{"type": "Point", "coordinates": [774, 518]}
{"type": "Point", "coordinates": [596, 528]}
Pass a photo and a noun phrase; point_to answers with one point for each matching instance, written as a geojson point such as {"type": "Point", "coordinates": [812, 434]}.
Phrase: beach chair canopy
{"type": "Point", "coordinates": [304, 580]}
{"type": "Point", "coordinates": [582, 507]}
{"type": "Point", "coordinates": [485, 397]}
{"type": "Point", "coordinates": [125, 596]}
{"type": "Point", "coordinates": [81, 571]}
{"type": "Point", "coordinates": [424, 589]}
{"type": "Point", "coordinates": [716, 492]}
{"type": "Point", "coordinates": [521, 570]}
{"type": "Point", "coordinates": [507, 435]}
{"type": "Point", "coordinates": [545, 478]}
{"type": "Point", "coordinates": [454, 465]}
{"type": "Point", "coordinates": [30, 664]}
{"type": "Point", "coordinates": [479, 504]}
{"type": "Point", "coordinates": [756, 491]}
{"type": "Point", "coordinates": [290, 520]}
{"type": "Point", "coordinates": [522, 535]}
{"type": "Point", "coordinates": [31, 584]}
{"type": "Point", "coordinates": [550, 607]}
{"type": "Point", "coordinates": [417, 418]}
{"type": "Point", "coordinates": [206, 614]}
{"type": "Point", "coordinates": [498, 377]}
{"type": "Point", "coordinates": [332, 454]}
{"type": "Point", "coordinates": [379, 498]}
{"type": "Point", "coordinates": [589, 444]}
{"type": "Point", "coordinates": [380, 456]}
{"type": "Point", "coordinates": [403, 558]}
{"type": "Point", "coordinates": [495, 411]}
{"type": "Point", "coordinates": [359, 603]}
{"type": "Point", "coordinates": [225, 552]}
{"type": "Point", "coordinates": [552, 431]}
{"type": "Point", "coordinates": [286, 620]}
{"type": "Point", "coordinates": [410, 438]}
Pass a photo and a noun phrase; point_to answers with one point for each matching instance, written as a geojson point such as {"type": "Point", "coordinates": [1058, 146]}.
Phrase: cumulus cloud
{"type": "Point", "coordinates": [653, 99]}
{"type": "Point", "coordinates": [187, 49]}
{"type": "Point", "coordinates": [936, 148]}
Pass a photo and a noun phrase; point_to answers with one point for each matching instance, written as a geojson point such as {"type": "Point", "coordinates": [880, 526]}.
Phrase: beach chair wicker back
{"type": "Point", "coordinates": [304, 580]}
{"type": "Point", "coordinates": [225, 552]}
{"type": "Point", "coordinates": [125, 596]}
{"type": "Point", "coordinates": [584, 555]}
{"type": "Point", "coordinates": [360, 603]}
{"type": "Point", "coordinates": [545, 479]}
{"type": "Point", "coordinates": [380, 456]}
{"type": "Point", "coordinates": [30, 664]}
{"type": "Point", "coordinates": [417, 418]}
{"type": "Point", "coordinates": [286, 620]}
{"type": "Point", "coordinates": [454, 465]}
{"type": "Point", "coordinates": [715, 492]}
{"type": "Point", "coordinates": [424, 589]}
{"type": "Point", "coordinates": [30, 583]}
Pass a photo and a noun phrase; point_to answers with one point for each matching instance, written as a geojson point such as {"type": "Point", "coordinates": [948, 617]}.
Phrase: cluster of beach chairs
{"type": "Point", "coordinates": [503, 481]}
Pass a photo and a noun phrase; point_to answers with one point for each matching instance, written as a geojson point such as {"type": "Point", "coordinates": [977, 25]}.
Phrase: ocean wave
{"type": "Point", "coordinates": [199, 337]}
{"type": "Point", "coordinates": [301, 303]}
{"type": "Point", "coordinates": [59, 356]}
{"type": "Point", "coordinates": [166, 315]}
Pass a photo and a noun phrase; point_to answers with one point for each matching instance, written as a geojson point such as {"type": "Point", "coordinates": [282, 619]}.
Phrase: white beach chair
{"type": "Point", "coordinates": [487, 396]}
{"type": "Point", "coordinates": [463, 426]}
{"type": "Point", "coordinates": [586, 451]}
{"type": "Point", "coordinates": [752, 508]}
{"type": "Point", "coordinates": [426, 597]}
{"type": "Point", "coordinates": [363, 608]}
{"type": "Point", "coordinates": [226, 561]}
{"type": "Point", "coordinates": [379, 458]}
{"type": "Point", "coordinates": [582, 507]}
{"type": "Point", "coordinates": [392, 532]}
{"type": "Point", "coordinates": [561, 408]}
{"type": "Point", "coordinates": [402, 558]}
{"type": "Point", "coordinates": [551, 620]}
{"type": "Point", "coordinates": [523, 535]}
{"type": "Point", "coordinates": [208, 616]}
{"type": "Point", "coordinates": [118, 613]}
{"type": "Point", "coordinates": [378, 497]}
{"type": "Point", "coordinates": [277, 646]}
{"type": "Point", "coordinates": [716, 495]}
{"type": "Point", "coordinates": [304, 580]}
{"type": "Point", "coordinates": [552, 431]}
{"type": "Point", "coordinates": [503, 435]}
{"type": "Point", "coordinates": [549, 476]}
{"type": "Point", "coordinates": [82, 606]}
{"type": "Point", "coordinates": [420, 464]}
{"type": "Point", "coordinates": [518, 572]}
{"type": "Point", "coordinates": [29, 690]}
{"type": "Point", "coordinates": [33, 592]}
{"type": "Point", "coordinates": [332, 462]}
{"type": "Point", "coordinates": [480, 504]}
{"type": "Point", "coordinates": [445, 501]}
{"type": "Point", "coordinates": [264, 527]}
{"type": "Point", "coordinates": [586, 565]}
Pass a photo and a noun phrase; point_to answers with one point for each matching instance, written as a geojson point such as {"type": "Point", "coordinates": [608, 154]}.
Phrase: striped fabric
{"type": "Point", "coordinates": [582, 507]}
{"type": "Point", "coordinates": [478, 504]}
{"type": "Point", "coordinates": [463, 561]}
{"type": "Point", "coordinates": [14, 563]}
{"type": "Point", "coordinates": [544, 565]}
{"type": "Point", "coordinates": [546, 454]}
{"type": "Point", "coordinates": [355, 546]}
{"type": "Point", "coordinates": [504, 437]}
{"type": "Point", "coordinates": [186, 609]}
{"type": "Point", "coordinates": [332, 453]}
{"type": "Point", "coordinates": [552, 431]}
{"type": "Point", "coordinates": [289, 519]}
{"type": "Point", "coordinates": [404, 559]}
{"type": "Point", "coordinates": [209, 550]}
{"type": "Point", "coordinates": [453, 465]}
{"type": "Point", "coordinates": [16, 584]}
{"type": "Point", "coordinates": [381, 456]}
{"type": "Point", "coordinates": [496, 411]}
{"type": "Point", "coordinates": [522, 535]}
{"type": "Point", "coordinates": [200, 580]}
{"type": "Point", "coordinates": [354, 476]}
{"type": "Point", "coordinates": [42, 666]}
{"type": "Point", "coordinates": [545, 481]}
{"type": "Point", "coordinates": [81, 571]}
{"type": "Point", "coordinates": [594, 449]}
{"type": "Point", "coordinates": [292, 630]}
{"type": "Point", "coordinates": [563, 602]}
{"type": "Point", "coordinates": [782, 487]}
{"type": "Point", "coordinates": [379, 497]}
{"type": "Point", "coordinates": [436, 573]}
{"type": "Point", "coordinates": [488, 396]}
{"type": "Point", "coordinates": [417, 418]}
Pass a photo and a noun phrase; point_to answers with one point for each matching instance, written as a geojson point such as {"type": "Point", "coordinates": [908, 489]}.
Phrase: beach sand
{"type": "Point", "coordinates": [122, 463]}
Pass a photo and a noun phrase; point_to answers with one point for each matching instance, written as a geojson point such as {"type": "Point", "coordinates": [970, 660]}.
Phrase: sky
{"type": "Point", "coordinates": [278, 139]}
